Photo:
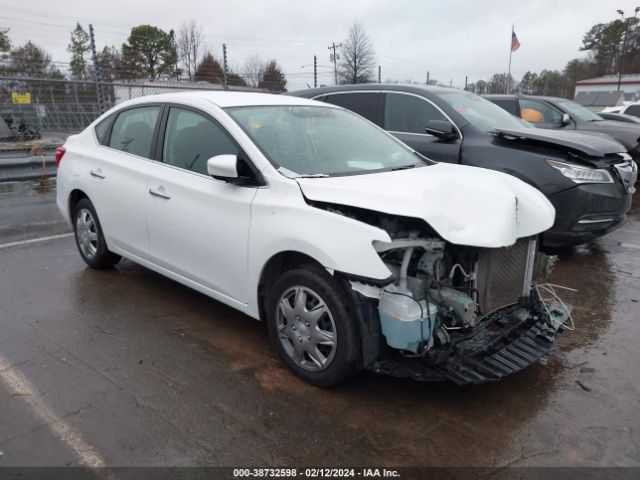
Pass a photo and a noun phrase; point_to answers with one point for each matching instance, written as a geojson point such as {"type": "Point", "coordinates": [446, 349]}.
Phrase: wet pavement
{"type": "Point", "coordinates": [124, 367]}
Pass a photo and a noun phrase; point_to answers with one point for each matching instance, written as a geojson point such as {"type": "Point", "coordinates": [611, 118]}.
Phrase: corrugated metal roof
{"type": "Point", "coordinates": [613, 79]}
{"type": "Point", "coordinates": [599, 99]}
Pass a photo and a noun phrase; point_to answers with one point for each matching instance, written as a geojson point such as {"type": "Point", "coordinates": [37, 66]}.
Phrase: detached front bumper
{"type": "Point", "coordinates": [586, 212]}
{"type": "Point", "coordinates": [505, 342]}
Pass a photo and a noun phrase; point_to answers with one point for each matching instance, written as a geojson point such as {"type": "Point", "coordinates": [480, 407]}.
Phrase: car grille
{"type": "Point", "coordinates": [501, 273]}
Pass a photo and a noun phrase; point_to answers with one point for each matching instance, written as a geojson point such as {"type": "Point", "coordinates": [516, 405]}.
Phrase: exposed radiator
{"type": "Point", "coordinates": [501, 275]}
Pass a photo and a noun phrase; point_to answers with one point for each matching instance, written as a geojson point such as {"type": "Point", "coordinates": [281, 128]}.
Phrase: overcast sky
{"type": "Point", "coordinates": [449, 39]}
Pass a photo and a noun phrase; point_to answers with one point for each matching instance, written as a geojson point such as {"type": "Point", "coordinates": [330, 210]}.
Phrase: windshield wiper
{"type": "Point", "coordinates": [313, 175]}
{"type": "Point", "coordinates": [403, 167]}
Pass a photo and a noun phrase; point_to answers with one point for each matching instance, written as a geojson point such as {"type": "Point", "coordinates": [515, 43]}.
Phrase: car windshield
{"type": "Point", "coordinates": [318, 140]}
{"type": "Point", "coordinates": [481, 113]}
{"type": "Point", "coordinates": [578, 111]}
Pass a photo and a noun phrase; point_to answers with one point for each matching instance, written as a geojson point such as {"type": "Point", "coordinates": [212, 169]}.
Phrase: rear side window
{"type": "Point", "coordinates": [509, 105]}
{"type": "Point", "coordinates": [407, 113]}
{"type": "Point", "coordinates": [191, 139]}
{"type": "Point", "coordinates": [364, 104]}
{"type": "Point", "coordinates": [102, 129]}
{"type": "Point", "coordinates": [133, 130]}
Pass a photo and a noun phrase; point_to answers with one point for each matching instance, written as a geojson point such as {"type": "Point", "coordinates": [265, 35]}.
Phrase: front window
{"type": "Point", "coordinates": [192, 139]}
{"type": "Point", "coordinates": [578, 111]}
{"type": "Point", "coordinates": [481, 113]}
{"type": "Point", "coordinates": [316, 140]}
{"type": "Point", "coordinates": [536, 111]}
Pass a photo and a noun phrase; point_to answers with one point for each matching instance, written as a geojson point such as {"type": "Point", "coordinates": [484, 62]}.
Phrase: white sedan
{"type": "Point", "coordinates": [356, 251]}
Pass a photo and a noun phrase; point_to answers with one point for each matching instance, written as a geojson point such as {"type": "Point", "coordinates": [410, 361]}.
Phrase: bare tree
{"type": "Point", "coordinates": [190, 43]}
{"type": "Point", "coordinates": [358, 57]}
{"type": "Point", "coordinates": [253, 70]}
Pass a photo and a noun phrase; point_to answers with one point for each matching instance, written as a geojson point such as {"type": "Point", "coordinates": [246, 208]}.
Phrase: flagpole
{"type": "Point", "coordinates": [510, 53]}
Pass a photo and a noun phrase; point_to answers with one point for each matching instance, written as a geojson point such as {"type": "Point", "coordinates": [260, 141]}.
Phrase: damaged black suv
{"type": "Point", "coordinates": [589, 179]}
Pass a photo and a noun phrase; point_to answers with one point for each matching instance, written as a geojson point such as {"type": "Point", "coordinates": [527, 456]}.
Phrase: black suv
{"type": "Point", "coordinates": [563, 114]}
{"type": "Point", "coordinates": [589, 179]}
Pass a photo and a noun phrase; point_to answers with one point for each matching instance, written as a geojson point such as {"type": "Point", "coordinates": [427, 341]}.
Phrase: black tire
{"type": "Point", "coordinates": [346, 359]}
{"type": "Point", "coordinates": [100, 258]}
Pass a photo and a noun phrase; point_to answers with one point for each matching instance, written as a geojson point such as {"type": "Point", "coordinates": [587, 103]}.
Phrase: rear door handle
{"type": "Point", "coordinates": [97, 173]}
{"type": "Point", "coordinates": [160, 193]}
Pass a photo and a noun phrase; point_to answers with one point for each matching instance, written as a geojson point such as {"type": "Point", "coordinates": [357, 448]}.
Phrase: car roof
{"type": "Point", "coordinates": [399, 87]}
{"type": "Point", "coordinates": [500, 96]}
{"type": "Point", "coordinates": [546, 97]}
{"type": "Point", "coordinates": [511, 96]}
{"type": "Point", "coordinates": [224, 99]}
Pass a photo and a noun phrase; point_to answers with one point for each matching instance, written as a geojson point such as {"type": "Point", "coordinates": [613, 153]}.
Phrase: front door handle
{"type": "Point", "coordinates": [160, 193]}
{"type": "Point", "coordinates": [97, 173]}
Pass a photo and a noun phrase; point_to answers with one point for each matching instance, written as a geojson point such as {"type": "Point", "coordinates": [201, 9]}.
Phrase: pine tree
{"type": "Point", "coordinates": [273, 78]}
{"type": "Point", "coordinates": [78, 48]}
{"type": "Point", "coordinates": [209, 70]}
{"type": "Point", "coordinates": [235, 80]}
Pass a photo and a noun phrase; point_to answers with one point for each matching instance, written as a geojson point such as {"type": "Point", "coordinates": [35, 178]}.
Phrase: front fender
{"type": "Point", "coordinates": [337, 242]}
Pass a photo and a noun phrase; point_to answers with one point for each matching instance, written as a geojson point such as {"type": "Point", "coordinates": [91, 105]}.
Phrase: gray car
{"type": "Point", "coordinates": [563, 114]}
{"type": "Point", "coordinates": [619, 117]}
{"type": "Point", "coordinates": [589, 179]}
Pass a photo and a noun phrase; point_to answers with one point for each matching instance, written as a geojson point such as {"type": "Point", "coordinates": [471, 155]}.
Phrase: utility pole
{"type": "Point", "coordinates": [224, 66]}
{"type": "Point", "coordinates": [624, 42]}
{"type": "Point", "coordinates": [315, 72]}
{"type": "Point", "coordinates": [379, 74]}
{"type": "Point", "coordinates": [334, 58]}
{"type": "Point", "coordinates": [427, 78]}
{"type": "Point", "coordinates": [466, 81]}
{"type": "Point", "coordinates": [96, 68]}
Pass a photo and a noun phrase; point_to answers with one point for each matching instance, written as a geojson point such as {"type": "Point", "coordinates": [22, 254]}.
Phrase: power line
{"type": "Point", "coordinates": [38, 13]}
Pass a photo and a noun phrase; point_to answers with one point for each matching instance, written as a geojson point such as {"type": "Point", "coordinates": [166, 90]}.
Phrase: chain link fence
{"type": "Point", "coordinates": [31, 108]}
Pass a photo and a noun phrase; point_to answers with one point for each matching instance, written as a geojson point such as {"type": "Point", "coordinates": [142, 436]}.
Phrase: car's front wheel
{"type": "Point", "coordinates": [89, 237]}
{"type": "Point", "coordinates": [312, 325]}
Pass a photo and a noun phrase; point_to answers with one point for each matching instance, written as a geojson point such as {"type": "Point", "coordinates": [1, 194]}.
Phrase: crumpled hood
{"type": "Point", "coordinates": [465, 205]}
{"type": "Point", "coordinates": [595, 144]}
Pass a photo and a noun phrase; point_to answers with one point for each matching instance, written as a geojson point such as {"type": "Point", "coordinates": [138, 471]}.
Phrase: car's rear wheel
{"type": "Point", "coordinates": [312, 325]}
{"type": "Point", "coordinates": [89, 237]}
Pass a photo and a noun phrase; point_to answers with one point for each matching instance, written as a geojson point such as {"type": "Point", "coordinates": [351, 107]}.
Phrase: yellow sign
{"type": "Point", "coordinates": [25, 98]}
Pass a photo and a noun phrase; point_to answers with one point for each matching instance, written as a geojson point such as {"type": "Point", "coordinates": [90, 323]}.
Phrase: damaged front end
{"type": "Point", "coordinates": [458, 313]}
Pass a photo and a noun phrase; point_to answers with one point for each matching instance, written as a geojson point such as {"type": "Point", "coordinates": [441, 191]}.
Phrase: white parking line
{"type": "Point", "coordinates": [21, 388]}
{"type": "Point", "coordinates": [35, 240]}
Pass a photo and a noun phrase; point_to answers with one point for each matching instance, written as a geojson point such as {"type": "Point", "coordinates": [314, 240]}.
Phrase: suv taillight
{"type": "Point", "coordinates": [60, 151]}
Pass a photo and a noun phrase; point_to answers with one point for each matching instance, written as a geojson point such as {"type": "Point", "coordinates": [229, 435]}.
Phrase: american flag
{"type": "Point", "coordinates": [515, 43]}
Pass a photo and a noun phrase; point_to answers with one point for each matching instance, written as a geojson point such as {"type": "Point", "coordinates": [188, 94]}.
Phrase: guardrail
{"type": "Point", "coordinates": [27, 164]}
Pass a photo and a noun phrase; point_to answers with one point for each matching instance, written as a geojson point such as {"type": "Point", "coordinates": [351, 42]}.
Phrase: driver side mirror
{"type": "Point", "coordinates": [566, 119]}
{"type": "Point", "coordinates": [441, 129]}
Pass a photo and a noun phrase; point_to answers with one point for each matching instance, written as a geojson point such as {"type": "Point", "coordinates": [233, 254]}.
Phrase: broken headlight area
{"type": "Point", "coordinates": [458, 313]}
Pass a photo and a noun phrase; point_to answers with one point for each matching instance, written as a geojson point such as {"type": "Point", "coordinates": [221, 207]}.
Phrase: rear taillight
{"type": "Point", "coordinates": [60, 151]}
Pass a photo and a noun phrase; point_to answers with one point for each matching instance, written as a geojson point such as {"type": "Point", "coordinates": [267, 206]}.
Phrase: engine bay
{"type": "Point", "coordinates": [466, 314]}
